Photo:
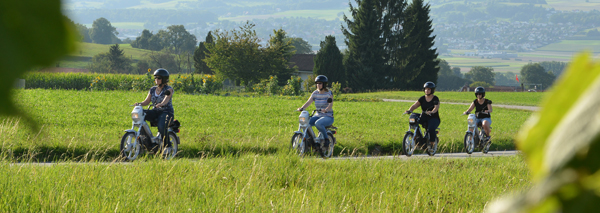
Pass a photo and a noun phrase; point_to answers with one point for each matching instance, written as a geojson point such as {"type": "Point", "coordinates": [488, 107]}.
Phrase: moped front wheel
{"type": "Point", "coordinates": [408, 146]}
{"type": "Point", "coordinates": [469, 143]}
{"type": "Point", "coordinates": [297, 145]}
{"type": "Point", "coordinates": [130, 148]}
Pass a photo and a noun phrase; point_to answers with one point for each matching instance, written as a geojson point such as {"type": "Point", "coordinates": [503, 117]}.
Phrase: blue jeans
{"type": "Point", "coordinates": [321, 123]}
{"type": "Point", "coordinates": [480, 120]}
{"type": "Point", "coordinates": [163, 119]}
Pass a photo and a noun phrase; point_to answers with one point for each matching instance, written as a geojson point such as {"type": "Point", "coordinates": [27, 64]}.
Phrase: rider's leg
{"type": "Point", "coordinates": [321, 123]}
{"type": "Point", "coordinates": [486, 126]}
{"type": "Point", "coordinates": [432, 126]}
{"type": "Point", "coordinates": [164, 119]}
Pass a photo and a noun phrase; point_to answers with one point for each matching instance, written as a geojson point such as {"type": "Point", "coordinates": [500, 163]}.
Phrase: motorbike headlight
{"type": "Point", "coordinates": [303, 120]}
{"type": "Point", "coordinates": [411, 120]}
{"type": "Point", "coordinates": [135, 117]}
{"type": "Point", "coordinates": [471, 121]}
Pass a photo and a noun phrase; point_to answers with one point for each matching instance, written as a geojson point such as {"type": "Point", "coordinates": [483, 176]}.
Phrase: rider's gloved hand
{"type": "Point", "coordinates": [407, 112]}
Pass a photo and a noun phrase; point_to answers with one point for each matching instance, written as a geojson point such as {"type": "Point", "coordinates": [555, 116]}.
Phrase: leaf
{"type": "Point", "coordinates": [561, 143]}
{"type": "Point", "coordinates": [533, 137]}
{"type": "Point", "coordinates": [32, 33]}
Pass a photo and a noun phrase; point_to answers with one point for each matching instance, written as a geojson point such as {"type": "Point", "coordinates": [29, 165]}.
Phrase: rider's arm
{"type": "Point", "coordinates": [435, 108]}
{"type": "Point", "coordinates": [308, 102]}
{"type": "Point", "coordinates": [147, 101]}
{"type": "Point", "coordinates": [470, 108]}
{"type": "Point", "coordinates": [414, 106]}
{"type": "Point", "coordinates": [329, 105]}
{"type": "Point", "coordinates": [166, 99]}
{"type": "Point", "coordinates": [489, 106]}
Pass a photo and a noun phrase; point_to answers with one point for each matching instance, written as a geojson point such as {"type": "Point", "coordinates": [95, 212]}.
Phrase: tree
{"type": "Point", "coordinates": [179, 40]}
{"type": "Point", "coordinates": [456, 71]}
{"type": "Point", "coordinates": [277, 56]}
{"type": "Point", "coordinates": [534, 73]}
{"type": "Point", "coordinates": [555, 67]}
{"type": "Point", "coordinates": [483, 74]}
{"type": "Point", "coordinates": [200, 54]}
{"type": "Point", "coordinates": [112, 62]}
{"type": "Point", "coordinates": [142, 41]}
{"type": "Point", "coordinates": [393, 32]}
{"type": "Point", "coordinates": [300, 45]}
{"type": "Point", "coordinates": [329, 61]}
{"type": "Point", "coordinates": [420, 57]}
{"type": "Point", "coordinates": [236, 55]}
{"type": "Point", "coordinates": [365, 62]}
{"type": "Point", "coordinates": [102, 32]}
{"type": "Point", "coordinates": [447, 79]}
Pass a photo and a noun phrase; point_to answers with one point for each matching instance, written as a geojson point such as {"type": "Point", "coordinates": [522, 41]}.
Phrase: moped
{"type": "Point", "coordinates": [415, 138]}
{"type": "Point", "coordinates": [134, 141]}
{"type": "Point", "coordinates": [475, 136]}
{"type": "Point", "coordinates": [304, 140]}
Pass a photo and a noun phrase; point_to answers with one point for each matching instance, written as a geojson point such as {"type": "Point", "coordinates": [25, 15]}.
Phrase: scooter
{"type": "Point", "coordinates": [475, 136]}
{"type": "Point", "coordinates": [304, 140]}
{"type": "Point", "coordinates": [415, 138]}
{"type": "Point", "coordinates": [134, 141]}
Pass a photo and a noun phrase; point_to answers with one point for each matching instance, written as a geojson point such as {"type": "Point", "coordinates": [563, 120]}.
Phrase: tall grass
{"type": "Point", "coordinates": [252, 183]}
{"type": "Point", "coordinates": [83, 125]}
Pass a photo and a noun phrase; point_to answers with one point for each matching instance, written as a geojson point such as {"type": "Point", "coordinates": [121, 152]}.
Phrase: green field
{"type": "Point", "coordinates": [573, 46]}
{"type": "Point", "coordinates": [279, 183]}
{"type": "Point", "coordinates": [508, 98]}
{"type": "Point", "coordinates": [78, 125]}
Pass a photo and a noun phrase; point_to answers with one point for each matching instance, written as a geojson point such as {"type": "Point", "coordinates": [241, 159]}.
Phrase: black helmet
{"type": "Point", "coordinates": [321, 78]}
{"type": "Point", "coordinates": [429, 85]}
{"type": "Point", "coordinates": [480, 90]}
{"type": "Point", "coordinates": [162, 73]}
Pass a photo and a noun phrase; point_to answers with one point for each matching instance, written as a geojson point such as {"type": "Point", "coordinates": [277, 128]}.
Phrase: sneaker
{"type": "Point", "coordinates": [326, 144]}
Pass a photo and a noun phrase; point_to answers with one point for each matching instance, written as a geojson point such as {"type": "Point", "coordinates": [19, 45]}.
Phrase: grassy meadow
{"type": "Point", "coordinates": [507, 98]}
{"type": "Point", "coordinates": [84, 125]}
{"type": "Point", "coordinates": [253, 183]}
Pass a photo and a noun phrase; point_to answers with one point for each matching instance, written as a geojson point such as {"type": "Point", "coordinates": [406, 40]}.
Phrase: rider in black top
{"type": "Point", "coordinates": [430, 104]}
{"type": "Point", "coordinates": [483, 110]}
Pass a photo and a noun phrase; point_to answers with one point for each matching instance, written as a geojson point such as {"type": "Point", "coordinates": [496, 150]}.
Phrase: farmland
{"type": "Point", "coordinates": [507, 98]}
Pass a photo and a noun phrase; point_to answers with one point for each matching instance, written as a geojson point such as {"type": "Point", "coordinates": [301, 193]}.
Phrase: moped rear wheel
{"type": "Point", "coordinates": [432, 150]}
{"type": "Point", "coordinates": [170, 152]}
{"type": "Point", "coordinates": [130, 148]}
{"type": "Point", "coordinates": [469, 143]}
{"type": "Point", "coordinates": [297, 146]}
{"type": "Point", "coordinates": [329, 150]}
{"type": "Point", "coordinates": [408, 146]}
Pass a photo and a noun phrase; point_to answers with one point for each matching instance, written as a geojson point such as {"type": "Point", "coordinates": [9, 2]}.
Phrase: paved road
{"type": "Point", "coordinates": [439, 156]}
{"type": "Point", "coordinates": [530, 108]}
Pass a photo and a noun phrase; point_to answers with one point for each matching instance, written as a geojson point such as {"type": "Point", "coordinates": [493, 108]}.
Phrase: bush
{"type": "Point", "coordinates": [309, 84]}
{"type": "Point", "coordinates": [336, 88]}
{"type": "Point", "coordinates": [293, 87]}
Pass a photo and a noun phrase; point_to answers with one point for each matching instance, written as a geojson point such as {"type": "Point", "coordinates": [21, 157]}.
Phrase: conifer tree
{"type": "Point", "coordinates": [200, 54]}
{"type": "Point", "coordinates": [328, 61]}
{"type": "Point", "coordinates": [420, 59]}
{"type": "Point", "coordinates": [365, 63]}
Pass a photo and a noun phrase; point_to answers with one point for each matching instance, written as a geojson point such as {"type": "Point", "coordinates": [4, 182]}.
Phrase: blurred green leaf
{"type": "Point", "coordinates": [533, 137]}
{"type": "Point", "coordinates": [32, 33]}
{"type": "Point", "coordinates": [561, 143]}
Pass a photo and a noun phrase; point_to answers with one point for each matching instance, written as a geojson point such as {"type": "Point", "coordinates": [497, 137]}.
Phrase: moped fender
{"type": "Point", "coordinates": [129, 130]}
{"type": "Point", "coordinates": [298, 132]}
{"type": "Point", "coordinates": [178, 141]}
{"type": "Point", "coordinates": [468, 131]}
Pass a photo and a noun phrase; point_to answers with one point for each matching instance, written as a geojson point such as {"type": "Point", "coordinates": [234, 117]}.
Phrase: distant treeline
{"type": "Point", "coordinates": [583, 18]}
{"type": "Point", "coordinates": [143, 15]}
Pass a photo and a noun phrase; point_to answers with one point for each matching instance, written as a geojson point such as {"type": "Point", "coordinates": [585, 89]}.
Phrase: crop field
{"type": "Point", "coordinates": [573, 46]}
{"type": "Point", "coordinates": [319, 14]}
{"type": "Point", "coordinates": [507, 98]}
{"type": "Point", "coordinates": [84, 125]}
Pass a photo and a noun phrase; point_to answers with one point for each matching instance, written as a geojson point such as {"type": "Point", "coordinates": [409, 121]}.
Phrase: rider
{"type": "Point", "coordinates": [430, 104]}
{"type": "Point", "coordinates": [483, 108]}
{"type": "Point", "coordinates": [161, 97]}
{"type": "Point", "coordinates": [323, 99]}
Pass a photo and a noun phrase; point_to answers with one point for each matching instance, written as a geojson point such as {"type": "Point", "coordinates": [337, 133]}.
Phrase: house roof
{"type": "Point", "coordinates": [305, 62]}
